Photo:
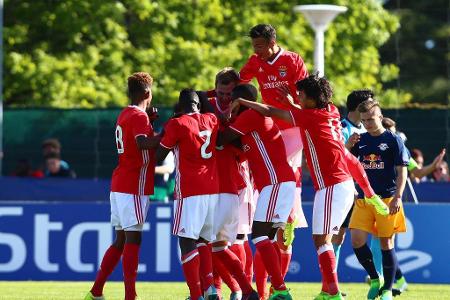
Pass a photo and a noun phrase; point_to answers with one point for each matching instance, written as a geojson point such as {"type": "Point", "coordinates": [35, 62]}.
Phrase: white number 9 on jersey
{"type": "Point", "coordinates": [203, 153]}
{"type": "Point", "coordinates": [119, 141]}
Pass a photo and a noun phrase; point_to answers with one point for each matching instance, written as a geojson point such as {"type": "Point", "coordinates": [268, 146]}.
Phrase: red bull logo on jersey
{"type": "Point", "coordinates": [372, 162]}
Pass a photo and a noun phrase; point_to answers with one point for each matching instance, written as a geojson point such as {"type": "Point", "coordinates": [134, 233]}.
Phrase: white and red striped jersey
{"type": "Point", "coordinates": [193, 139]}
{"type": "Point", "coordinates": [285, 69]}
{"type": "Point", "coordinates": [323, 143]}
{"type": "Point", "coordinates": [264, 148]}
{"type": "Point", "coordinates": [136, 169]}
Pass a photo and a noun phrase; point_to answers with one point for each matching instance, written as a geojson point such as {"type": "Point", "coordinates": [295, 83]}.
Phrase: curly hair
{"type": "Point", "coordinates": [316, 88]}
{"type": "Point", "coordinates": [138, 84]}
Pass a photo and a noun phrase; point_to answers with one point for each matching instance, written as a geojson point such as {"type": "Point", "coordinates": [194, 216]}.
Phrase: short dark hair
{"type": "Point", "coordinates": [245, 91]}
{"type": "Point", "coordinates": [226, 76]}
{"type": "Point", "coordinates": [138, 84]}
{"type": "Point", "coordinates": [368, 105]}
{"type": "Point", "coordinates": [316, 88]}
{"type": "Point", "coordinates": [356, 97]}
{"type": "Point", "coordinates": [265, 31]}
{"type": "Point", "coordinates": [52, 155]}
{"type": "Point", "coordinates": [51, 142]}
{"type": "Point", "coordinates": [388, 123]}
{"type": "Point", "coordinates": [187, 99]}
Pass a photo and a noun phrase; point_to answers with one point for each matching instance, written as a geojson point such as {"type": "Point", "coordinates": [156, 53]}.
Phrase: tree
{"type": "Point", "coordinates": [420, 48]}
{"type": "Point", "coordinates": [78, 53]}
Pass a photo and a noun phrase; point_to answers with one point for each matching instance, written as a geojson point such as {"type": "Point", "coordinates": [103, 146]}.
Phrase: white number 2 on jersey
{"type": "Point", "coordinates": [207, 134]}
{"type": "Point", "coordinates": [119, 141]}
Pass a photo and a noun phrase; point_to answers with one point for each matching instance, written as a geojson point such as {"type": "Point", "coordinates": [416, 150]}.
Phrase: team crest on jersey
{"type": "Point", "coordinates": [245, 148]}
{"type": "Point", "coordinates": [283, 71]}
{"type": "Point", "coordinates": [383, 146]}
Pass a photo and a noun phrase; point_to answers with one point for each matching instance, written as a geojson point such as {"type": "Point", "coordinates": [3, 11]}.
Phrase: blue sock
{"type": "Point", "coordinates": [389, 268]}
{"type": "Point", "coordinates": [364, 257]}
{"type": "Point", "coordinates": [337, 251]}
{"type": "Point", "coordinates": [375, 247]}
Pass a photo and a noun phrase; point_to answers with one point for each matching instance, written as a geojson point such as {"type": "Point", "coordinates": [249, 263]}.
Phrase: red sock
{"type": "Point", "coordinates": [109, 262]}
{"type": "Point", "coordinates": [324, 284]}
{"type": "Point", "coordinates": [268, 252]}
{"type": "Point", "coordinates": [260, 276]}
{"type": "Point", "coordinates": [239, 250]}
{"type": "Point", "coordinates": [285, 260]}
{"type": "Point", "coordinates": [206, 268]}
{"type": "Point", "coordinates": [278, 250]}
{"type": "Point", "coordinates": [248, 262]}
{"type": "Point", "coordinates": [225, 275]}
{"type": "Point", "coordinates": [191, 268]}
{"type": "Point", "coordinates": [217, 282]}
{"type": "Point", "coordinates": [130, 262]}
{"type": "Point", "coordinates": [327, 260]}
{"type": "Point", "coordinates": [231, 261]}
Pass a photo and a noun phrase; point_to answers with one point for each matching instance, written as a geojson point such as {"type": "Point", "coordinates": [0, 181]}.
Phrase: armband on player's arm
{"type": "Point", "coordinates": [358, 173]}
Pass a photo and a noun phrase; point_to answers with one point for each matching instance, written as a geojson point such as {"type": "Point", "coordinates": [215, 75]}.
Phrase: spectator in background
{"type": "Point", "coordinates": [53, 166]}
{"type": "Point", "coordinates": [24, 169]}
{"type": "Point", "coordinates": [52, 145]}
{"type": "Point", "coordinates": [441, 174]}
{"type": "Point", "coordinates": [417, 171]}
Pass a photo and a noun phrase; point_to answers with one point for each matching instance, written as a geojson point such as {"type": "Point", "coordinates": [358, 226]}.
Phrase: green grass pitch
{"type": "Point", "coordinates": [49, 290]}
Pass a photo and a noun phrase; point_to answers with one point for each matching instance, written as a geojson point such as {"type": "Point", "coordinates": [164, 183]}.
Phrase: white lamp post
{"type": "Point", "coordinates": [319, 17]}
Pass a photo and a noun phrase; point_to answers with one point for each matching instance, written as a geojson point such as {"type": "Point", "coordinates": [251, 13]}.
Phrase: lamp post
{"type": "Point", "coordinates": [319, 17]}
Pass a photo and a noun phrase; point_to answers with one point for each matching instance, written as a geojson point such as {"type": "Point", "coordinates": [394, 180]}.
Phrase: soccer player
{"type": "Point", "coordinates": [351, 124]}
{"type": "Point", "coordinates": [275, 67]}
{"type": "Point", "coordinates": [192, 136]}
{"type": "Point", "coordinates": [273, 177]}
{"type": "Point", "coordinates": [385, 158]}
{"type": "Point", "coordinates": [132, 184]}
{"type": "Point", "coordinates": [330, 164]}
{"type": "Point", "coordinates": [227, 211]}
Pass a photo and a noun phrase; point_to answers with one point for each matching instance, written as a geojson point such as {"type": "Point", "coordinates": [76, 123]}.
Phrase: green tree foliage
{"type": "Point", "coordinates": [420, 48]}
{"type": "Point", "coordinates": [78, 53]}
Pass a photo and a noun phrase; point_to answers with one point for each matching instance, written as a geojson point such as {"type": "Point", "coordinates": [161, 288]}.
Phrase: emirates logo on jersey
{"type": "Point", "coordinates": [282, 70]}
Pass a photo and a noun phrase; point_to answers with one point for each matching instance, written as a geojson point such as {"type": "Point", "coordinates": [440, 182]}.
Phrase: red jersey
{"type": "Point", "coordinates": [262, 143]}
{"type": "Point", "coordinates": [285, 69]}
{"type": "Point", "coordinates": [323, 143]}
{"type": "Point", "coordinates": [193, 138]}
{"type": "Point", "coordinates": [227, 161]}
{"type": "Point", "coordinates": [136, 169]}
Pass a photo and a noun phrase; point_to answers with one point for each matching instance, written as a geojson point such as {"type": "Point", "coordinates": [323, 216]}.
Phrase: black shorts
{"type": "Point", "coordinates": [347, 218]}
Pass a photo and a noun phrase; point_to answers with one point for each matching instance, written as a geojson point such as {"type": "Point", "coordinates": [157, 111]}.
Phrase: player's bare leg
{"type": "Point", "coordinates": [109, 262]}
{"type": "Point", "coordinates": [327, 263]}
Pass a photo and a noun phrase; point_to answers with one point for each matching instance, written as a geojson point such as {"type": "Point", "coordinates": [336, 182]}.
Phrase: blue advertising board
{"type": "Point", "coordinates": [66, 241]}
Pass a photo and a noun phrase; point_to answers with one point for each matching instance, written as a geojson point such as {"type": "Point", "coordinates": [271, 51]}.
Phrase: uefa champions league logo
{"type": "Point", "coordinates": [412, 259]}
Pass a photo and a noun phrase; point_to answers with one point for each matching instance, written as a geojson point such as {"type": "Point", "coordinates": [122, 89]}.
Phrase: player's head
{"type": "Point", "coordinates": [264, 40]}
{"type": "Point", "coordinates": [245, 91]}
{"type": "Point", "coordinates": [226, 80]}
{"type": "Point", "coordinates": [356, 97]}
{"type": "Point", "coordinates": [371, 115]}
{"type": "Point", "coordinates": [188, 101]}
{"type": "Point", "coordinates": [314, 91]}
{"type": "Point", "coordinates": [140, 88]}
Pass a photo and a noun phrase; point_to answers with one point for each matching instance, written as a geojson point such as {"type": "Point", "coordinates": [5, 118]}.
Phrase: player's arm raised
{"type": "Point", "coordinates": [264, 109]}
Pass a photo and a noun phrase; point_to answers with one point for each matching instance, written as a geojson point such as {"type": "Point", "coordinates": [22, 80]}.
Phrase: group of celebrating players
{"type": "Point", "coordinates": [239, 174]}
